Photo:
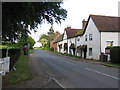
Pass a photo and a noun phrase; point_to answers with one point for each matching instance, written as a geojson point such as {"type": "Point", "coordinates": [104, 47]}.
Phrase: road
{"type": "Point", "coordinates": [78, 74]}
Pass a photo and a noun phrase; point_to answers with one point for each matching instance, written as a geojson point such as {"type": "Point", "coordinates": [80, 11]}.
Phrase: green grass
{"type": "Point", "coordinates": [22, 73]}
{"type": "Point", "coordinates": [3, 46]}
{"type": "Point", "coordinates": [9, 47]}
{"type": "Point", "coordinates": [37, 48]}
{"type": "Point", "coordinates": [111, 64]}
{"type": "Point", "coordinates": [31, 50]}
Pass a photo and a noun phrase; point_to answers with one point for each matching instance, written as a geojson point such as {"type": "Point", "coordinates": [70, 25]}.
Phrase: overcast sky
{"type": "Point", "coordinates": [77, 11]}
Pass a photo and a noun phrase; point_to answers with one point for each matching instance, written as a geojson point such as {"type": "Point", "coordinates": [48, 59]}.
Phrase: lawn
{"type": "Point", "coordinates": [22, 72]}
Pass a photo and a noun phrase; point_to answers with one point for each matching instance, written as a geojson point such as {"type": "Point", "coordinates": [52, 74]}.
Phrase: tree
{"type": "Point", "coordinates": [43, 39]}
{"type": "Point", "coordinates": [16, 15]}
{"type": "Point", "coordinates": [43, 36]}
{"type": "Point", "coordinates": [44, 42]}
{"type": "Point", "coordinates": [29, 40]}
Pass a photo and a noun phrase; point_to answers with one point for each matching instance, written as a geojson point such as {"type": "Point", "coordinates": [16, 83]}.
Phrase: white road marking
{"type": "Point", "coordinates": [102, 73]}
{"type": "Point", "coordinates": [58, 83]}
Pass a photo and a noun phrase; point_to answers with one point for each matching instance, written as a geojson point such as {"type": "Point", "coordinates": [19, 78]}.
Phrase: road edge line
{"type": "Point", "coordinates": [58, 82]}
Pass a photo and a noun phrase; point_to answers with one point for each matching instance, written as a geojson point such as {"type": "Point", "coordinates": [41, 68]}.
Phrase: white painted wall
{"type": "Point", "coordinates": [95, 43]}
{"type": "Point", "coordinates": [109, 36]}
{"type": "Point", "coordinates": [70, 41]}
{"type": "Point", "coordinates": [80, 42]}
{"type": "Point", "coordinates": [65, 35]}
{"type": "Point", "coordinates": [60, 42]}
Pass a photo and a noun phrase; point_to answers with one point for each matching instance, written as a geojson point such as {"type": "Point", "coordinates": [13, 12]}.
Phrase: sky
{"type": "Point", "coordinates": [77, 11]}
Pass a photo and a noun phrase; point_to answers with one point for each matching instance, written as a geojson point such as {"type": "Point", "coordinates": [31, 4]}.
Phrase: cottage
{"type": "Point", "coordinates": [52, 44]}
{"type": "Point", "coordinates": [59, 44]}
{"type": "Point", "coordinates": [69, 40]}
{"type": "Point", "coordinates": [100, 33]}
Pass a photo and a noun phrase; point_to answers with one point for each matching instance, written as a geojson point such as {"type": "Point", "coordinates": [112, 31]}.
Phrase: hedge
{"type": "Point", "coordinates": [115, 54]}
{"type": "Point", "coordinates": [13, 54]}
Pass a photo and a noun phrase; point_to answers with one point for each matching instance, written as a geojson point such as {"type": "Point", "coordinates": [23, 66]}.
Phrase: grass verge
{"type": "Point", "coordinates": [22, 72]}
{"type": "Point", "coordinates": [31, 51]}
{"type": "Point", "coordinates": [111, 65]}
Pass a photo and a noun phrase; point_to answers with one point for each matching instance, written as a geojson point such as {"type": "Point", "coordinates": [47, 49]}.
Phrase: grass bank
{"type": "Point", "coordinates": [22, 72]}
{"type": "Point", "coordinates": [111, 65]}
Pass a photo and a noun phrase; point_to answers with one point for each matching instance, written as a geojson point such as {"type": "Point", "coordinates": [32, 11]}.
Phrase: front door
{"type": "Point", "coordinates": [73, 51]}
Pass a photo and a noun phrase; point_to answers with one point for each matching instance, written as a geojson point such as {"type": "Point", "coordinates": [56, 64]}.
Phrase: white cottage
{"type": "Point", "coordinates": [71, 40]}
{"type": "Point", "coordinates": [100, 33]}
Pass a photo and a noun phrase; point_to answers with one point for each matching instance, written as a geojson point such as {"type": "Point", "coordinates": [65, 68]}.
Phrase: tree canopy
{"type": "Point", "coordinates": [29, 40]}
{"type": "Point", "coordinates": [18, 15]}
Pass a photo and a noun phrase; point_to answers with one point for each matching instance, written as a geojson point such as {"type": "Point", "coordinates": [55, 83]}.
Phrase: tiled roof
{"type": "Point", "coordinates": [60, 38]}
{"type": "Point", "coordinates": [80, 32]}
{"type": "Point", "coordinates": [71, 32]}
{"type": "Point", "coordinates": [106, 23]}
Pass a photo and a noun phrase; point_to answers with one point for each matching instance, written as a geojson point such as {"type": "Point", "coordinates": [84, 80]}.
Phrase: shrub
{"type": "Point", "coordinates": [115, 54]}
{"type": "Point", "coordinates": [51, 49]}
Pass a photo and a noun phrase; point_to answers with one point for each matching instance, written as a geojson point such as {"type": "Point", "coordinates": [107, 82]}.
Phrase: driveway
{"type": "Point", "coordinates": [70, 73]}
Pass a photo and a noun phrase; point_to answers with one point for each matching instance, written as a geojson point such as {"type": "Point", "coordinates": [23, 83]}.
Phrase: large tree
{"type": "Point", "coordinates": [16, 15]}
{"type": "Point", "coordinates": [29, 40]}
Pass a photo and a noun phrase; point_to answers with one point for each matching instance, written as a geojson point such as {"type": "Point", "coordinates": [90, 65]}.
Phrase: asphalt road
{"type": "Point", "coordinates": [78, 74]}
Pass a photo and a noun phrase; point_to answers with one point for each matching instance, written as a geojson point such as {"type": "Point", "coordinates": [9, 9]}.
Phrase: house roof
{"type": "Point", "coordinates": [60, 38]}
{"type": "Point", "coordinates": [80, 32]}
{"type": "Point", "coordinates": [71, 32]}
{"type": "Point", "coordinates": [106, 23]}
{"type": "Point", "coordinates": [103, 23]}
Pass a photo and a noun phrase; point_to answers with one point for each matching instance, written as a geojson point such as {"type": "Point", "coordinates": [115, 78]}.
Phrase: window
{"type": "Point", "coordinates": [90, 37]}
{"type": "Point", "coordinates": [90, 51]}
{"type": "Point", "coordinates": [85, 37]}
{"type": "Point", "coordinates": [109, 43]}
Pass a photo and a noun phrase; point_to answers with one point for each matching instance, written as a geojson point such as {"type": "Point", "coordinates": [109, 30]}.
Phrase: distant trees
{"type": "Point", "coordinates": [29, 40]}
{"type": "Point", "coordinates": [43, 40]}
{"type": "Point", "coordinates": [18, 16]}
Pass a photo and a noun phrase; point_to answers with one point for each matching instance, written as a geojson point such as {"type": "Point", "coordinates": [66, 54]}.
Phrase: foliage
{"type": "Point", "coordinates": [22, 41]}
{"type": "Point", "coordinates": [114, 54]}
{"type": "Point", "coordinates": [28, 14]}
{"type": "Point", "coordinates": [44, 40]}
{"type": "Point", "coordinates": [10, 46]}
{"type": "Point", "coordinates": [43, 36]}
{"type": "Point", "coordinates": [31, 41]}
{"type": "Point", "coordinates": [51, 49]}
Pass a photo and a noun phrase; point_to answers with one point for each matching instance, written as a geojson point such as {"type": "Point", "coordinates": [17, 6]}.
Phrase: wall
{"type": "Point", "coordinates": [95, 43]}
{"type": "Point", "coordinates": [81, 41]}
{"type": "Point", "coordinates": [70, 41]}
{"type": "Point", "coordinates": [64, 41]}
{"type": "Point", "coordinates": [109, 36]}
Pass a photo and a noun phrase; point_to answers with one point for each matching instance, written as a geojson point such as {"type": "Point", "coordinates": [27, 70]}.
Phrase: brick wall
{"type": "Point", "coordinates": [54, 45]}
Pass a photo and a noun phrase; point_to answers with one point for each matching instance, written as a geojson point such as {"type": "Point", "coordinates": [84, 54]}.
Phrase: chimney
{"type": "Point", "coordinates": [68, 27]}
{"type": "Point", "coordinates": [57, 33]}
{"type": "Point", "coordinates": [84, 23]}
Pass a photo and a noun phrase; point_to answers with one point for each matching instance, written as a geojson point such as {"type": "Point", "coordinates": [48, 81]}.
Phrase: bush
{"type": "Point", "coordinates": [51, 49]}
{"type": "Point", "coordinates": [115, 54]}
